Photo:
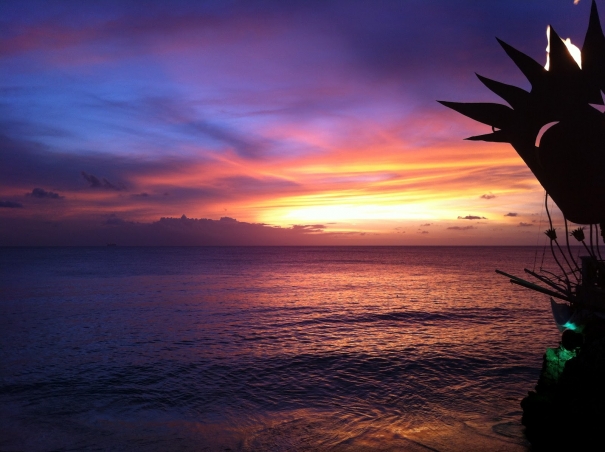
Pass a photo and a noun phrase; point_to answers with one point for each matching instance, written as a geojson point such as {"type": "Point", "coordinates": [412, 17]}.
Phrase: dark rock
{"type": "Point", "coordinates": [570, 340]}
{"type": "Point", "coordinates": [567, 409]}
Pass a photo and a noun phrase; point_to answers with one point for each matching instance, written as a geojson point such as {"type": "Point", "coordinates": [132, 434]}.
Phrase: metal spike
{"type": "Point", "coordinates": [498, 136]}
{"type": "Point", "coordinates": [593, 54]}
{"type": "Point", "coordinates": [561, 61]}
{"type": "Point", "coordinates": [533, 71]}
{"type": "Point", "coordinates": [495, 115]}
{"type": "Point", "coordinates": [515, 96]}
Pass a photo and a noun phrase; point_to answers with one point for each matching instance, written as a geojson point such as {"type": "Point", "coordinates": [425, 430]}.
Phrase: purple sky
{"type": "Point", "coordinates": [298, 122]}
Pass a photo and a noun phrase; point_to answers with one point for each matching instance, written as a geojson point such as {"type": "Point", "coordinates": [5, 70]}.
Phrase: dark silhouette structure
{"type": "Point", "coordinates": [560, 135]}
{"type": "Point", "coordinates": [569, 160]}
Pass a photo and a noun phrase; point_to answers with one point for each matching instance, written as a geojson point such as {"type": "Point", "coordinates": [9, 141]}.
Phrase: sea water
{"type": "Point", "coordinates": [268, 348]}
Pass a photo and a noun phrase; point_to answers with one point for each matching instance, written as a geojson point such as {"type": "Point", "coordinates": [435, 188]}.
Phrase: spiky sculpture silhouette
{"type": "Point", "coordinates": [569, 160]}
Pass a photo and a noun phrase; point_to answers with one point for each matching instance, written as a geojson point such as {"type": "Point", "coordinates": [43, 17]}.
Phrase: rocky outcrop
{"type": "Point", "coordinates": [567, 409]}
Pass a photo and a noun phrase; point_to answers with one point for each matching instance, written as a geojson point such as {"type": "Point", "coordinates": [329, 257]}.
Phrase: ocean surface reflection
{"type": "Point", "coordinates": [342, 348]}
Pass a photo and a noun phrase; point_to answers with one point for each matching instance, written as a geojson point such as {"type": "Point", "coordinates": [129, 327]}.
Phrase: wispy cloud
{"type": "Point", "coordinates": [309, 227]}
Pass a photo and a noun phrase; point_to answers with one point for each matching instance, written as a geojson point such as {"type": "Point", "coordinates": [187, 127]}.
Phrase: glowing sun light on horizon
{"type": "Point", "coordinates": [352, 212]}
{"type": "Point", "coordinates": [357, 210]}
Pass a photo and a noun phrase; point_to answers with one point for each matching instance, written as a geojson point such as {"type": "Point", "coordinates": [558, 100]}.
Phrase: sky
{"type": "Point", "coordinates": [265, 122]}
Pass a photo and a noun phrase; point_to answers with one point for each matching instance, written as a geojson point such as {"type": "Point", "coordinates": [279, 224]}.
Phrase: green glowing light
{"type": "Point", "coordinates": [554, 362]}
{"type": "Point", "coordinates": [573, 327]}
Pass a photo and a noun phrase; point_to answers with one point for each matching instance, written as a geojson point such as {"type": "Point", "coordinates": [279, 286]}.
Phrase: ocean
{"type": "Point", "coordinates": [268, 348]}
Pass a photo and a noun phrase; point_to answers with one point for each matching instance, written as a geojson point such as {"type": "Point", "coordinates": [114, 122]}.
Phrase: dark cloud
{"type": "Point", "coordinates": [114, 220]}
{"type": "Point", "coordinates": [522, 224]}
{"type": "Point", "coordinates": [461, 228]}
{"type": "Point", "coordinates": [511, 214]}
{"type": "Point", "coordinates": [225, 231]}
{"type": "Point", "coordinates": [472, 217]}
{"type": "Point", "coordinates": [95, 182]}
{"type": "Point", "coordinates": [426, 224]}
{"type": "Point", "coordinates": [167, 231]}
{"type": "Point", "coordinates": [42, 194]}
{"type": "Point", "coordinates": [10, 204]}
{"type": "Point", "coordinates": [487, 196]}
{"type": "Point", "coordinates": [140, 195]}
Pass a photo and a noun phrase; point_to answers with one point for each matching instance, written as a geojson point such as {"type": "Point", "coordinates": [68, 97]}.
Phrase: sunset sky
{"type": "Point", "coordinates": [264, 122]}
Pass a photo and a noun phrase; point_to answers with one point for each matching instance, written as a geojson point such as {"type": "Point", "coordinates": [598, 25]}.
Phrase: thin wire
{"type": "Point", "coordinates": [552, 249]}
{"type": "Point", "coordinates": [538, 240]}
{"type": "Point", "coordinates": [547, 212]}
{"type": "Point", "coordinates": [591, 247]}
{"type": "Point", "coordinates": [596, 238]}
{"type": "Point", "coordinates": [569, 250]}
